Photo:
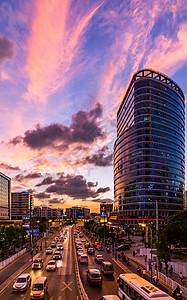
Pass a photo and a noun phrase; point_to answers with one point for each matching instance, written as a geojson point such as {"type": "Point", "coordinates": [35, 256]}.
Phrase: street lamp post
{"type": "Point", "coordinates": [144, 225]}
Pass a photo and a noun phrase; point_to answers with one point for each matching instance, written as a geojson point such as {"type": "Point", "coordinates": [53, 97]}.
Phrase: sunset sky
{"type": "Point", "coordinates": [64, 68]}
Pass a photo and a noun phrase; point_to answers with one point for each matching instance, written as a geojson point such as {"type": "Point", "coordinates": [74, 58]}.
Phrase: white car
{"type": "Point", "coordinates": [22, 283]}
{"type": "Point", "coordinates": [83, 259]}
{"type": "Point", "coordinates": [51, 266]}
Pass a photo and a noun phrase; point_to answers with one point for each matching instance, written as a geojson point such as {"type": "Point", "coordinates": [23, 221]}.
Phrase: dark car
{"type": "Point", "coordinates": [123, 247]}
{"type": "Point", "coordinates": [87, 245]}
{"type": "Point", "coordinates": [99, 259]}
{"type": "Point", "coordinates": [57, 255]}
{"type": "Point", "coordinates": [91, 251]}
{"type": "Point", "coordinates": [94, 277]}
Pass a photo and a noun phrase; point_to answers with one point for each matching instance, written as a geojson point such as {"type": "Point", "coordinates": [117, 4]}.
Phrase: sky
{"type": "Point", "coordinates": [64, 69]}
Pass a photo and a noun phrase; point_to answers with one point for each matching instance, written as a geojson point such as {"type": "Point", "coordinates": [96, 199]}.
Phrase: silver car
{"type": "Point", "coordinates": [22, 283]}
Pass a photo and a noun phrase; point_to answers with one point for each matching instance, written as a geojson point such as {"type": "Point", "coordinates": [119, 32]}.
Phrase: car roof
{"type": "Point", "coordinates": [107, 263]}
{"type": "Point", "coordinates": [99, 255]}
{"type": "Point", "coordinates": [94, 271]}
{"type": "Point", "coordinates": [84, 255]}
{"type": "Point", "coordinates": [40, 280]}
{"type": "Point", "coordinates": [54, 261]}
{"type": "Point", "coordinates": [23, 275]}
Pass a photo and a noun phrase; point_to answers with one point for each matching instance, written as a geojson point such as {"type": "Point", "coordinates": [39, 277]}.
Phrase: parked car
{"type": "Point", "coordinates": [51, 266]}
{"type": "Point", "coordinates": [83, 259]}
{"type": "Point", "coordinates": [57, 255]}
{"type": "Point", "coordinates": [107, 268]}
{"type": "Point", "coordinates": [22, 283]}
{"type": "Point", "coordinates": [94, 277]}
{"type": "Point", "coordinates": [39, 288]}
{"type": "Point", "coordinates": [123, 247]}
{"type": "Point", "coordinates": [37, 263]}
{"type": "Point", "coordinates": [99, 259]}
{"type": "Point", "coordinates": [49, 251]}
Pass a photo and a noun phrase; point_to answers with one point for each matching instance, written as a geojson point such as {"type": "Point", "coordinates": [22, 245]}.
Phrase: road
{"type": "Point", "coordinates": [62, 283]}
{"type": "Point", "coordinates": [109, 284]}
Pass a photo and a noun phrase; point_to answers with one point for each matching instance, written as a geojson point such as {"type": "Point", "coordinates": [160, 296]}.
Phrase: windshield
{"type": "Point", "coordinates": [37, 261]}
{"type": "Point", "coordinates": [37, 287]}
{"type": "Point", "coordinates": [51, 263]}
{"type": "Point", "coordinates": [96, 275]}
{"type": "Point", "coordinates": [20, 280]}
{"type": "Point", "coordinates": [109, 267]}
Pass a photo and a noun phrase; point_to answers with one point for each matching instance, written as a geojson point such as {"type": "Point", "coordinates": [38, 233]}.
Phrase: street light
{"type": "Point", "coordinates": [144, 225]}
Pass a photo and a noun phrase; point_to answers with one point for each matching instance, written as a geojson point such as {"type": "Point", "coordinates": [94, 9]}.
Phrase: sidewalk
{"type": "Point", "coordinates": [140, 260]}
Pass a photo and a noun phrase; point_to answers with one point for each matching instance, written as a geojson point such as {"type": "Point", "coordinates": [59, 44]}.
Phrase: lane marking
{"type": "Point", "coordinates": [119, 265]}
{"type": "Point", "coordinates": [67, 286]}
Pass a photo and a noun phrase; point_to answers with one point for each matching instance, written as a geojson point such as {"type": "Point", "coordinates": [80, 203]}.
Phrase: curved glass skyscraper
{"type": "Point", "coordinates": [149, 149]}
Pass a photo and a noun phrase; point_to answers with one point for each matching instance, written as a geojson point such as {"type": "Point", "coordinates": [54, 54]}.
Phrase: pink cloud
{"type": "Point", "coordinates": [53, 45]}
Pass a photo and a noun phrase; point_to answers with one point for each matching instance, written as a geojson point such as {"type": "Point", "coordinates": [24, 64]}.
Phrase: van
{"type": "Point", "coordinates": [39, 288]}
{"type": "Point", "coordinates": [107, 268]}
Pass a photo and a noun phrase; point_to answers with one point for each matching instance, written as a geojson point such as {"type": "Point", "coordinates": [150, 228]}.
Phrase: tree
{"type": "Point", "coordinates": [128, 232]}
{"type": "Point", "coordinates": [163, 251]}
{"type": "Point", "coordinates": [176, 228]}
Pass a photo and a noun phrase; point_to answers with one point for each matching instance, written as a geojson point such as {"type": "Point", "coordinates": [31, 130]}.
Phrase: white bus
{"type": "Point", "coordinates": [134, 287]}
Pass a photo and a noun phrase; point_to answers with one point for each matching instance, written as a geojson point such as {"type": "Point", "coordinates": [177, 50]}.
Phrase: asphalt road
{"type": "Point", "coordinates": [61, 283]}
{"type": "Point", "coordinates": [109, 284]}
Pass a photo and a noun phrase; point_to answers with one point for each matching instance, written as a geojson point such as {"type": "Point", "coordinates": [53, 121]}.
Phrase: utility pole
{"type": "Point", "coordinates": [157, 215]}
{"type": "Point", "coordinates": [151, 253]}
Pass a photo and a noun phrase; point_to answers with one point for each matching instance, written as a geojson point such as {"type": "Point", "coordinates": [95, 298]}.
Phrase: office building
{"type": "Point", "coordinates": [106, 208]}
{"type": "Point", "coordinates": [76, 212]}
{"type": "Point", "coordinates": [149, 149]}
{"type": "Point", "coordinates": [5, 197]}
{"type": "Point", "coordinates": [21, 205]}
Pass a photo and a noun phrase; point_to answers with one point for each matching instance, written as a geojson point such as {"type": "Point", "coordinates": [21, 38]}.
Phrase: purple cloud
{"type": "Point", "coordinates": [6, 49]}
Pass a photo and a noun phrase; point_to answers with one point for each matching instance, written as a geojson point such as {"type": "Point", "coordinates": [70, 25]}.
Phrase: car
{"type": "Point", "coordinates": [91, 251]}
{"type": "Point", "coordinates": [22, 283]}
{"type": "Point", "coordinates": [39, 288]}
{"type": "Point", "coordinates": [61, 239]}
{"type": "Point", "coordinates": [57, 255]}
{"type": "Point", "coordinates": [51, 266]}
{"type": "Point", "coordinates": [37, 263]}
{"type": "Point", "coordinates": [94, 277]}
{"type": "Point", "coordinates": [87, 245]}
{"type": "Point", "coordinates": [80, 235]}
{"type": "Point", "coordinates": [79, 247]}
{"type": "Point", "coordinates": [123, 247]}
{"type": "Point", "coordinates": [110, 297]}
{"type": "Point", "coordinates": [99, 259]}
{"type": "Point", "coordinates": [60, 247]}
{"type": "Point", "coordinates": [99, 247]}
{"type": "Point", "coordinates": [83, 259]}
{"type": "Point", "coordinates": [80, 252]}
{"type": "Point", "coordinates": [83, 241]}
{"type": "Point", "coordinates": [79, 244]}
{"type": "Point", "coordinates": [53, 245]}
{"type": "Point", "coordinates": [49, 251]}
{"type": "Point", "coordinates": [107, 268]}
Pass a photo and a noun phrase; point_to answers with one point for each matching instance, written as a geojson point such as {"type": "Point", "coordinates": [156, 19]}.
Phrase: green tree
{"type": "Point", "coordinates": [176, 228]}
{"type": "Point", "coordinates": [163, 251]}
{"type": "Point", "coordinates": [128, 231]}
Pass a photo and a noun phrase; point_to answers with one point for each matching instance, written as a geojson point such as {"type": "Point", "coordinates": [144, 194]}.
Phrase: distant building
{"type": "Point", "coordinates": [76, 212]}
{"type": "Point", "coordinates": [21, 205]}
{"type": "Point", "coordinates": [149, 152]}
{"type": "Point", "coordinates": [5, 197]}
{"type": "Point", "coordinates": [48, 212]}
{"type": "Point", "coordinates": [93, 215]}
{"type": "Point", "coordinates": [106, 208]}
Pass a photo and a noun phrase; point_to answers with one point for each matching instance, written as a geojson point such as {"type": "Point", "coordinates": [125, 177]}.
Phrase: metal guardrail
{"type": "Point", "coordinates": [81, 289]}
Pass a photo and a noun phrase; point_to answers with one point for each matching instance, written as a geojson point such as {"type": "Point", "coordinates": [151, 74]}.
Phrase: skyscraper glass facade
{"type": "Point", "coordinates": [149, 149]}
{"type": "Point", "coordinates": [5, 197]}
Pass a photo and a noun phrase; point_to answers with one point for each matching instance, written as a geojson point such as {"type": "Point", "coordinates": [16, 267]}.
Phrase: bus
{"type": "Point", "coordinates": [134, 287]}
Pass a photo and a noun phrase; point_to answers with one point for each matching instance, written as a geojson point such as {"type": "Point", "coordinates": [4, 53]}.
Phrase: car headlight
{"type": "Point", "coordinates": [31, 294]}
{"type": "Point", "coordinates": [23, 286]}
{"type": "Point", "coordinates": [14, 285]}
{"type": "Point", "coordinates": [42, 293]}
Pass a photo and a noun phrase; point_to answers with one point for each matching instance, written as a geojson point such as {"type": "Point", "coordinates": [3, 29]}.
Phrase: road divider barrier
{"type": "Point", "coordinates": [7, 261]}
{"type": "Point", "coordinates": [81, 289]}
